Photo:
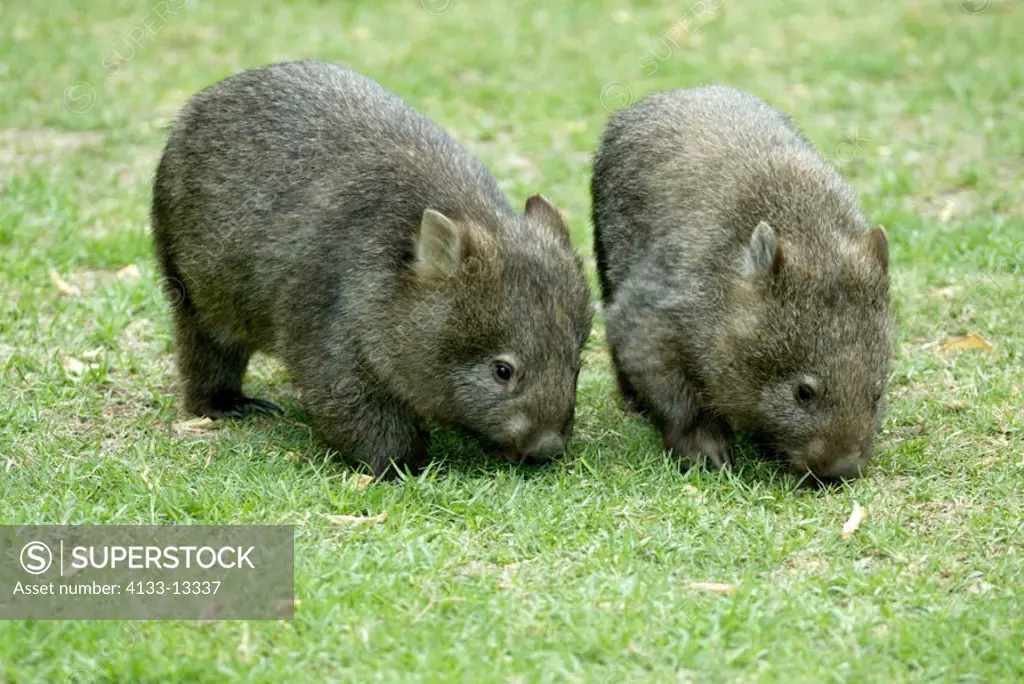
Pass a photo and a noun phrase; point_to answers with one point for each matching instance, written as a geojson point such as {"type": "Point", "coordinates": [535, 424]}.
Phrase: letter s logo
{"type": "Point", "coordinates": [36, 558]}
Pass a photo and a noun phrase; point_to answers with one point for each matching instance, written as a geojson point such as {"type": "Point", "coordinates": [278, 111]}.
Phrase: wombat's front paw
{"type": "Point", "coordinates": [627, 394]}
{"type": "Point", "coordinates": [392, 470]}
{"type": "Point", "coordinates": [414, 462]}
{"type": "Point", "coordinates": [236, 405]}
{"type": "Point", "coordinates": [703, 443]}
{"type": "Point", "coordinates": [630, 405]}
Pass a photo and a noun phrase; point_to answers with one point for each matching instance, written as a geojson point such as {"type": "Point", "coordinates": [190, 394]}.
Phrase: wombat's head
{"type": "Point", "coordinates": [499, 315]}
{"type": "Point", "coordinates": [806, 346]}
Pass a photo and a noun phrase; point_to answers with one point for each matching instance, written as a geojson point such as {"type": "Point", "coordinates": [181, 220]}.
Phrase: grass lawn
{"type": "Point", "coordinates": [591, 569]}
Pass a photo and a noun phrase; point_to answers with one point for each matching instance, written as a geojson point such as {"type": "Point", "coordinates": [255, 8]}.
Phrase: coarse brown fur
{"type": "Point", "coordinates": [743, 287]}
{"type": "Point", "coordinates": [302, 210]}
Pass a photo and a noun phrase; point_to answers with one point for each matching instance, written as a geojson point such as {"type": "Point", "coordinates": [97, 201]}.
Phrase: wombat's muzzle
{"type": "Point", "coordinates": [842, 463]}
{"type": "Point", "coordinates": [547, 446]}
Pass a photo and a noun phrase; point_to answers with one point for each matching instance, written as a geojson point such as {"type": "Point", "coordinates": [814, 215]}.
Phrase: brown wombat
{"type": "Point", "coordinates": [743, 288]}
{"type": "Point", "coordinates": [302, 210]}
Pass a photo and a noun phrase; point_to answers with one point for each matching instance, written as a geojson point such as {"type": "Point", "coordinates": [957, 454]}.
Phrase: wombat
{"type": "Point", "coordinates": [302, 210]}
{"type": "Point", "coordinates": [743, 288]}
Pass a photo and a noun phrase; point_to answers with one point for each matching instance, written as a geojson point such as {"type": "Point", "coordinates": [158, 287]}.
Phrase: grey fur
{"type": "Point", "coordinates": [302, 210]}
{"type": "Point", "coordinates": [736, 265]}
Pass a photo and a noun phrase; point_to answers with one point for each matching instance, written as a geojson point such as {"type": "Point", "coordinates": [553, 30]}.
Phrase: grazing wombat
{"type": "Point", "coordinates": [302, 210]}
{"type": "Point", "coordinates": [743, 288]}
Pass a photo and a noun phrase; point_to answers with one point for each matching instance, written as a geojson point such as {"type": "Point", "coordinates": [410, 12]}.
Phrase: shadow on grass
{"type": "Point", "coordinates": [449, 450]}
{"type": "Point", "coordinates": [452, 451]}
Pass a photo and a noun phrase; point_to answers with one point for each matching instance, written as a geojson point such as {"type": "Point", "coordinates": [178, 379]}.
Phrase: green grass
{"type": "Point", "coordinates": [484, 571]}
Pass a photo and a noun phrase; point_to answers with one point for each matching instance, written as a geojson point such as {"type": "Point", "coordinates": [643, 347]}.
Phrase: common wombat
{"type": "Point", "coordinates": [302, 210]}
{"type": "Point", "coordinates": [742, 286]}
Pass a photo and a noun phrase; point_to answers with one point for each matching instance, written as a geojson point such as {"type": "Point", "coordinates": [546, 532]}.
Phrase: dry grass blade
{"type": "Point", "coordinates": [73, 366]}
{"type": "Point", "coordinates": [244, 649]}
{"type": "Point", "coordinates": [942, 292]}
{"type": "Point", "coordinates": [948, 211]}
{"type": "Point", "coordinates": [129, 272]}
{"type": "Point", "coordinates": [857, 516]}
{"type": "Point", "coordinates": [360, 481]}
{"type": "Point", "coordinates": [194, 425]}
{"type": "Point", "coordinates": [714, 587]}
{"type": "Point", "coordinates": [64, 286]}
{"type": "Point", "coordinates": [971, 340]}
{"type": "Point", "coordinates": [356, 519]}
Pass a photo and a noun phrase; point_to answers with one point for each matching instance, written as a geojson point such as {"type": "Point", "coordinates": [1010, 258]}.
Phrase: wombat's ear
{"type": "Point", "coordinates": [540, 209]}
{"type": "Point", "coordinates": [440, 244]}
{"type": "Point", "coordinates": [878, 245]}
{"type": "Point", "coordinates": [765, 255]}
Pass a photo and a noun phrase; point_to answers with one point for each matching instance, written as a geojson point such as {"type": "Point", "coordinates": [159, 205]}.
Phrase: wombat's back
{"type": "Point", "coordinates": [313, 131]}
{"type": "Point", "coordinates": [279, 171]}
{"type": "Point", "coordinates": [709, 157]}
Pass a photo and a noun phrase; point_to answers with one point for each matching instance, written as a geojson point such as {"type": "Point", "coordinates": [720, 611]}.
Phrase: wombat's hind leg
{"type": "Point", "coordinates": [707, 440]}
{"type": "Point", "coordinates": [212, 369]}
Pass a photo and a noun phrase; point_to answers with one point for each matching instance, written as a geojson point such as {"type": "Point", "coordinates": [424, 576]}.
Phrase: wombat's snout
{"type": "Point", "coordinates": [841, 462]}
{"type": "Point", "coordinates": [548, 445]}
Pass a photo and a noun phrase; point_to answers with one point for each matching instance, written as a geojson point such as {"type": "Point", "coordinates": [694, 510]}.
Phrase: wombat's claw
{"type": "Point", "coordinates": [240, 406]}
{"type": "Point", "coordinates": [261, 407]}
{"type": "Point", "coordinates": [718, 461]}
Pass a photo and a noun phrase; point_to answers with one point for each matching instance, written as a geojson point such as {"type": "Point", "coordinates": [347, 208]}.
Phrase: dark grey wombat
{"type": "Point", "coordinates": [743, 288]}
{"type": "Point", "coordinates": [302, 210]}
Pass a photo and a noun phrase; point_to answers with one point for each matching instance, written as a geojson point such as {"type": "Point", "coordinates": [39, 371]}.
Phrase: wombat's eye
{"type": "Point", "coordinates": [804, 393]}
{"type": "Point", "coordinates": [503, 372]}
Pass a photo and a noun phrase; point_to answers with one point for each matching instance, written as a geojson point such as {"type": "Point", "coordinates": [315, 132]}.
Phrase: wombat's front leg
{"type": "Point", "coordinates": [627, 393]}
{"type": "Point", "coordinates": [374, 430]}
{"type": "Point", "coordinates": [706, 439]}
{"type": "Point", "coordinates": [650, 377]}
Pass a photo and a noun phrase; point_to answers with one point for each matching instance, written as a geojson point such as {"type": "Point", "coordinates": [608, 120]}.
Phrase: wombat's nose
{"type": "Point", "coordinates": [549, 445]}
{"type": "Point", "coordinates": [849, 466]}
